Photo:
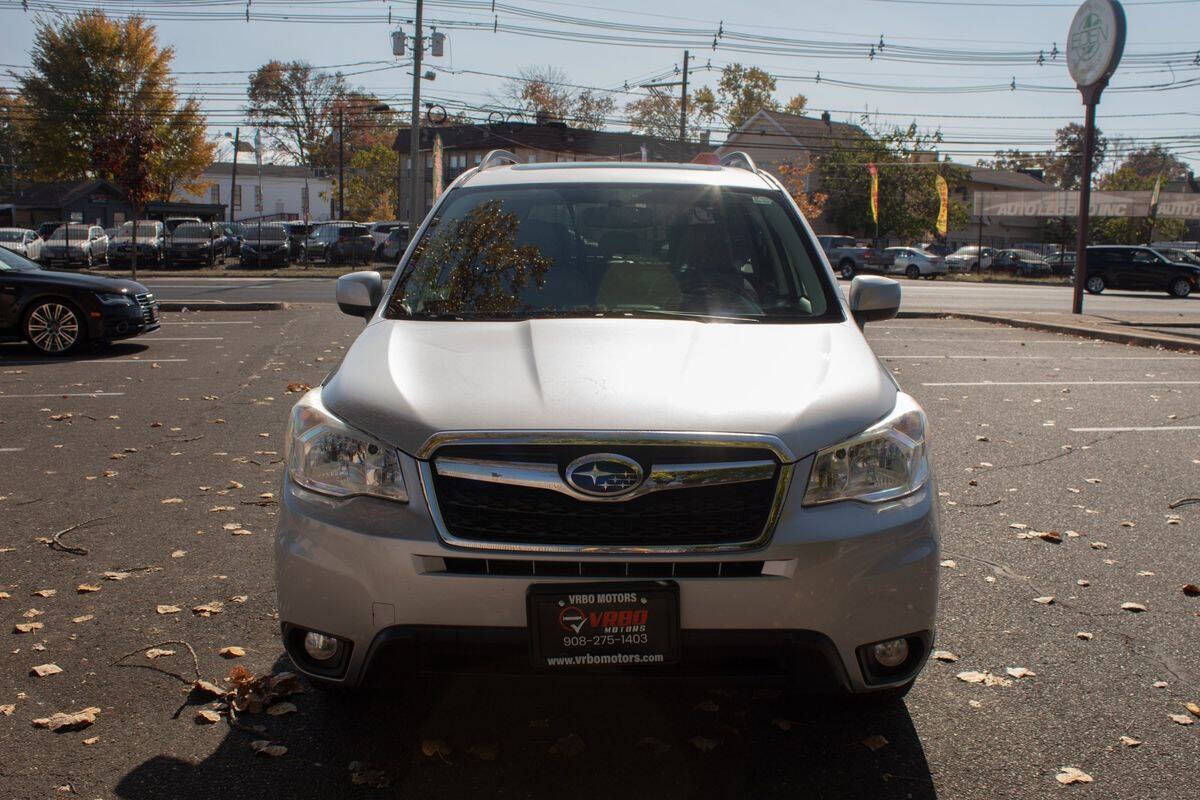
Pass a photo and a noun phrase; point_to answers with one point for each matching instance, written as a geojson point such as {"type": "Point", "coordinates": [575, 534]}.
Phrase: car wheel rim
{"type": "Point", "coordinates": [1095, 284]}
{"type": "Point", "coordinates": [1182, 288]}
{"type": "Point", "coordinates": [53, 328]}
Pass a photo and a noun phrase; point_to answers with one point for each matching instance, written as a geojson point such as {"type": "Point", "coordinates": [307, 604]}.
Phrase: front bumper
{"type": "Point", "coordinates": [123, 322]}
{"type": "Point", "coordinates": [834, 578]}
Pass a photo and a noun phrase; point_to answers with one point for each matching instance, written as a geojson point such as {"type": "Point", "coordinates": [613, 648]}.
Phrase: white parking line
{"type": "Point", "coordinates": [978, 329]}
{"type": "Point", "coordinates": [977, 358]}
{"type": "Point", "coordinates": [960, 340]}
{"type": "Point", "coordinates": [62, 394]}
{"type": "Point", "coordinates": [11, 449]}
{"type": "Point", "coordinates": [215, 322]}
{"type": "Point", "coordinates": [1135, 358]}
{"type": "Point", "coordinates": [1137, 429]}
{"type": "Point", "coordinates": [1069, 383]}
{"type": "Point", "coordinates": [96, 361]}
{"type": "Point", "coordinates": [185, 338]}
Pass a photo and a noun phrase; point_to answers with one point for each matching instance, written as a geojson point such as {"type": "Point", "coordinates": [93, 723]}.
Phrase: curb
{"type": "Point", "coordinates": [1102, 334]}
{"type": "Point", "coordinates": [217, 305]}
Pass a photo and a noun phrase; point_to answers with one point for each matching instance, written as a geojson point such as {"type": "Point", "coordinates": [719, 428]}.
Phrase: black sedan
{"type": "Point", "coordinates": [57, 312]}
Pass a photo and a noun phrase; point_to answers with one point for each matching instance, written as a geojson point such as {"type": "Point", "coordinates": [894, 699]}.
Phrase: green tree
{"type": "Point", "coordinates": [293, 105]}
{"type": "Point", "coordinates": [129, 155]}
{"type": "Point", "coordinates": [908, 198]}
{"type": "Point", "coordinates": [658, 114]}
{"type": "Point", "coordinates": [371, 188]}
{"type": "Point", "coordinates": [1154, 161]}
{"type": "Point", "coordinates": [1132, 230]}
{"type": "Point", "coordinates": [1064, 167]}
{"type": "Point", "coordinates": [92, 75]}
{"type": "Point", "coordinates": [14, 149]}
{"type": "Point", "coordinates": [184, 152]}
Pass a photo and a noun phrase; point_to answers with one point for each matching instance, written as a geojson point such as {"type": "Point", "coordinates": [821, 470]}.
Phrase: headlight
{"type": "Point", "coordinates": [886, 461]}
{"type": "Point", "coordinates": [114, 299]}
{"type": "Point", "coordinates": [326, 455]}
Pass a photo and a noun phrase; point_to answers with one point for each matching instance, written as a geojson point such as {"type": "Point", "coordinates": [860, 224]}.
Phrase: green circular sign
{"type": "Point", "coordinates": [1095, 41]}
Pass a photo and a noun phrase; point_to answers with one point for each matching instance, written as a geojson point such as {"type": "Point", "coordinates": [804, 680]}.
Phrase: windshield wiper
{"type": "Point", "coordinates": [669, 314]}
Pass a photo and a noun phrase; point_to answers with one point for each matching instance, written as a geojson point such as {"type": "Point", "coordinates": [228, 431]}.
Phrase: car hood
{"type": "Point", "coordinates": [811, 384]}
{"type": "Point", "coordinates": [82, 280]}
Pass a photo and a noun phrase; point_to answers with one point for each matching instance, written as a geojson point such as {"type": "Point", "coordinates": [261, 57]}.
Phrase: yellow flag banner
{"type": "Point", "coordinates": [943, 220]}
{"type": "Point", "coordinates": [874, 192]}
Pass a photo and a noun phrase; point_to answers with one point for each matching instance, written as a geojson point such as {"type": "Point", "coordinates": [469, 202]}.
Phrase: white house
{"type": "Point", "coordinates": [286, 192]}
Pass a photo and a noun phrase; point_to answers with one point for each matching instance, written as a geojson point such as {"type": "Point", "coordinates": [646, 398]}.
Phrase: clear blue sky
{"type": "Point", "coordinates": [1011, 33]}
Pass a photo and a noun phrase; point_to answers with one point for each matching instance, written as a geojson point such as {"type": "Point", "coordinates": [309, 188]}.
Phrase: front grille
{"type": "Point", "coordinates": [147, 303]}
{"type": "Point", "coordinates": [723, 514]}
{"type": "Point", "coordinates": [603, 569]}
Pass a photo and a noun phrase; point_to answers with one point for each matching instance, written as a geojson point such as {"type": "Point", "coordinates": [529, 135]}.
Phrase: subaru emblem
{"type": "Point", "coordinates": [604, 475]}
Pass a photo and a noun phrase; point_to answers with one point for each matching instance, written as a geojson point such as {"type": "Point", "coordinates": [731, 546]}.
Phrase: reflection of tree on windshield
{"type": "Point", "coordinates": [472, 266]}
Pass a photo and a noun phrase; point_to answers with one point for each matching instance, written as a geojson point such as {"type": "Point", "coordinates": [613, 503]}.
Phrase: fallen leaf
{"type": "Point", "coordinates": [1145, 573]}
{"type": "Point", "coordinates": [1159, 684]}
{"type": "Point", "coordinates": [206, 716]}
{"type": "Point", "coordinates": [31, 613]}
{"type": "Point", "coordinates": [157, 652]}
{"type": "Point", "coordinates": [1068, 775]}
{"type": "Point", "coordinates": [279, 709]}
{"type": "Point", "coordinates": [242, 532]}
{"type": "Point", "coordinates": [209, 688]}
{"type": "Point", "coordinates": [874, 742]}
{"type": "Point", "coordinates": [1182, 719]}
{"type": "Point", "coordinates": [707, 705]}
{"type": "Point", "coordinates": [1092, 480]}
{"type": "Point", "coordinates": [945, 655]}
{"type": "Point", "coordinates": [436, 747]}
{"type": "Point", "coordinates": [1054, 537]}
{"type": "Point", "coordinates": [484, 752]}
{"type": "Point", "coordinates": [85, 588]}
{"type": "Point", "coordinates": [171, 501]}
{"type": "Point", "coordinates": [1083, 582]}
{"type": "Point", "coordinates": [84, 618]}
{"type": "Point", "coordinates": [116, 576]}
{"type": "Point", "coordinates": [1099, 546]}
{"type": "Point", "coordinates": [91, 741]}
{"type": "Point", "coordinates": [46, 592]}
{"type": "Point", "coordinates": [232, 651]}
{"type": "Point", "coordinates": [1134, 607]}
{"type": "Point", "coordinates": [1193, 708]}
{"type": "Point", "coordinates": [264, 748]}
{"type": "Point", "coordinates": [239, 598]}
{"type": "Point", "coordinates": [297, 387]}
{"type": "Point", "coordinates": [702, 744]}
{"type": "Point", "coordinates": [220, 508]}
{"type": "Point", "coordinates": [1129, 741]}
{"type": "Point", "coordinates": [1021, 672]}
{"type": "Point", "coordinates": [1019, 526]}
{"type": "Point", "coordinates": [45, 670]}
{"type": "Point", "coordinates": [1087, 637]}
{"type": "Point", "coordinates": [166, 609]}
{"type": "Point", "coordinates": [73, 721]}
{"type": "Point", "coordinates": [235, 485]}
{"type": "Point", "coordinates": [178, 553]}
{"type": "Point", "coordinates": [208, 609]}
{"type": "Point", "coordinates": [27, 627]}
{"type": "Point", "coordinates": [7, 710]}
{"type": "Point", "coordinates": [1048, 600]}
{"type": "Point", "coordinates": [985, 678]}
{"type": "Point", "coordinates": [950, 564]}
{"type": "Point", "coordinates": [1127, 524]}
{"type": "Point", "coordinates": [1191, 590]}
{"type": "Point", "coordinates": [569, 745]}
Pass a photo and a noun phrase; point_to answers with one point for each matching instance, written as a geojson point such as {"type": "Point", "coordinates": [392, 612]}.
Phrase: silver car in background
{"type": "Point", "coordinates": [971, 258]}
{"type": "Point", "coordinates": [915, 263]}
{"type": "Point", "coordinates": [22, 241]}
{"type": "Point", "coordinates": [611, 418]}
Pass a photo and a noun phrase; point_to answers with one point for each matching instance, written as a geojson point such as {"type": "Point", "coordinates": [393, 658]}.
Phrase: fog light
{"type": "Point", "coordinates": [322, 648]}
{"type": "Point", "coordinates": [890, 654]}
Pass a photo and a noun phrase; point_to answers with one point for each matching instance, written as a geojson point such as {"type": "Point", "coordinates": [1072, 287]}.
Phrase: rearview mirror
{"type": "Point", "coordinates": [358, 294]}
{"type": "Point", "coordinates": [873, 298]}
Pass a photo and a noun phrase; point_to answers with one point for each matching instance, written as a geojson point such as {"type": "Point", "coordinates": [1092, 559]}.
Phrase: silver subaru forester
{"type": "Point", "coordinates": [611, 418]}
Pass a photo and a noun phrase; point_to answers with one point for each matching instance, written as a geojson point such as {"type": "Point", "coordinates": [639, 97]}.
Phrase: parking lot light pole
{"type": "Point", "coordinates": [414, 142]}
{"type": "Point", "coordinates": [341, 167]}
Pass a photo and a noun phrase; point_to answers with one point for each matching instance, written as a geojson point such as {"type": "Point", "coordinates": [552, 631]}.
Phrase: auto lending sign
{"type": "Point", "coordinates": [1171, 205]}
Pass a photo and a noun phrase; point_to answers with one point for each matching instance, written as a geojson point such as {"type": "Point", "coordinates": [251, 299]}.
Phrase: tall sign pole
{"type": "Point", "coordinates": [416, 205]}
{"type": "Point", "coordinates": [1095, 43]}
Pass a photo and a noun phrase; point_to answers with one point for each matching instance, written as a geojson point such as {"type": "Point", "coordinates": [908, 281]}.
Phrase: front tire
{"type": "Point", "coordinates": [975, 267]}
{"type": "Point", "coordinates": [1094, 284]}
{"type": "Point", "coordinates": [846, 269]}
{"type": "Point", "coordinates": [54, 327]}
{"type": "Point", "coordinates": [1180, 287]}
{"type": "Point", "coordinates": [912, 272]}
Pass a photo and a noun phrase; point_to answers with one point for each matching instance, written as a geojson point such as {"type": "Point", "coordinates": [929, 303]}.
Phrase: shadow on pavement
{"type": "Point", "coordinates": [506, 739]}
{"type": "Point", "coordinates": [21, 351]}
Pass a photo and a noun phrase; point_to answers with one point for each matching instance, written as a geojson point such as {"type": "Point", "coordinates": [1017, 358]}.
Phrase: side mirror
{"type": "Point", "coordinates": [873, 298]}
{"type": "Point", "coordinates": [359, 293]}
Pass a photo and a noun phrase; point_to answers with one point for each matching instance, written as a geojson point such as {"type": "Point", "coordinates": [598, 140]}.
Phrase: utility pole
{"type": "Point", "coordinates": [683, 101]}
{"type": "Point", "coordinates": [237, 134]}
{"type": "Point", "coordinates": [416, 173]}
{"type": "Point", "coordinates": [341, 167]}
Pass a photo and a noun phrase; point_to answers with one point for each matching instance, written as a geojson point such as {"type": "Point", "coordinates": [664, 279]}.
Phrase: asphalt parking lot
{"type": "Point", "coordinates": [166, 451]}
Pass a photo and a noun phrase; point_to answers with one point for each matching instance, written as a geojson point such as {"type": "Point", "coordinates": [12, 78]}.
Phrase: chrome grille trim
{"type": "Point", "coordinates": [425, 468]}
{"type": "Point", "coordinates": [659, 478]}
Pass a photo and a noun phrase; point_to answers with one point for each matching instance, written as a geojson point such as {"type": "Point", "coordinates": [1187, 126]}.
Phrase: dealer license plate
{"type": "Point", "coordinates": [604, 624]}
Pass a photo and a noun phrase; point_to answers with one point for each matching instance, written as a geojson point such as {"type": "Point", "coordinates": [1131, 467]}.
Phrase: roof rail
{"type": "Point", "coordinates": [497, 157]}
{"type": "Point", "coordinates": [738, 158]}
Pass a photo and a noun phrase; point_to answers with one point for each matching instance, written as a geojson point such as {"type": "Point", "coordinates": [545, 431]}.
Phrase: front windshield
{"type": "Point", "coordinates": [193, 231]}
{"type": "Point", "coordinates": [11, 262]}
{"type": "Point", "coordinates": [77, 233]}
{"type": "Point", "coordinates": [267, 233]}
{"type": "Point", "coordinates": [12, 236]}
{"type": "Point", "coordinates": [585, 250]}
{"type": "Point", "coordinates": [145, 230]}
